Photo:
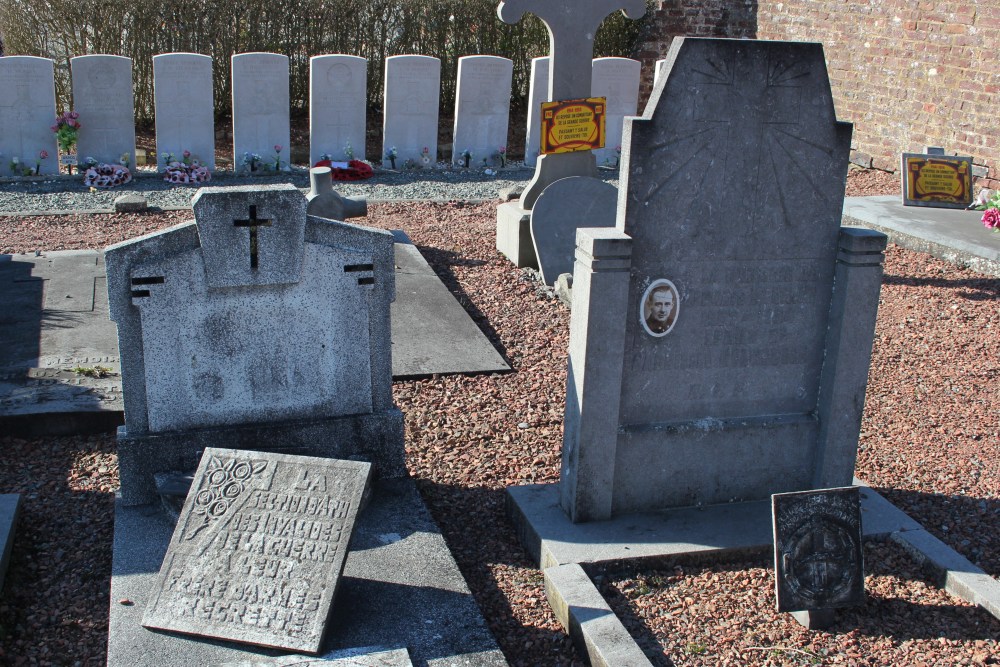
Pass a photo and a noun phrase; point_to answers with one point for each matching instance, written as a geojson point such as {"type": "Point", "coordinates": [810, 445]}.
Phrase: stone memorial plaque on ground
{"type": "Point", "coordinates": [818, 563]}
{"type": "Point", "coordinates": [936, 180]}
{"type": "Point", "coordinates": [259, 548]}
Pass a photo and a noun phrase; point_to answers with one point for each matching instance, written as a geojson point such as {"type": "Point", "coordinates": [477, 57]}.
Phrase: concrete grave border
{"type": "Point", "coordinates": [568, 554]}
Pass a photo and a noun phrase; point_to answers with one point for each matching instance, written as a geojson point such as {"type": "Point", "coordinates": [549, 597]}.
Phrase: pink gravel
{"type": "Point", "coordinates": [930, 442]}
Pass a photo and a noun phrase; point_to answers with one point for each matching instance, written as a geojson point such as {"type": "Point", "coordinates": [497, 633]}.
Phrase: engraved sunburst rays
{"type": "Point", "coordinates": [746, 113]}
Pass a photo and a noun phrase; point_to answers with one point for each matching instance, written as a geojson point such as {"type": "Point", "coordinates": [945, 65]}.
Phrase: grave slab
{"type": "Point", "coordinates": [400, 587]}
{"type": "Point", "coordinates": [258, 550]}
{"type": "Point", "coordinates": [60, 322]}
{"type": "Point", "coordinates": [10, 509]}
{"type": "Point", "coordinates": [365, 656]}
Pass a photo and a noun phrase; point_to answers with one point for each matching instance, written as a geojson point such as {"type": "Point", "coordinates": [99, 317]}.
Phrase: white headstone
{"type": "Point", "coordinates": [482, 106]}
{"type": "Point", "coordinates": [27, 111]}
{"type": "Point", "coordinates": [537, 93]}
{"type": "Point", "coordinates": [260, 108]}
{"type": "Point", "coordinates": [412, 93]}
{"type": "Point", "coordinates": [618, 80]}
{"type": "Point", "coordinates": [102, 94]}
{"type": "Point", "coordinates": [338, 89]}
{"type": "Point", "coordinates": [185, 108]}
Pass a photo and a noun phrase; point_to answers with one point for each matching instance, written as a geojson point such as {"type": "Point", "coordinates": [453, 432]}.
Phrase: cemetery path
{"type": "Point", "coordinates": [930, 441]}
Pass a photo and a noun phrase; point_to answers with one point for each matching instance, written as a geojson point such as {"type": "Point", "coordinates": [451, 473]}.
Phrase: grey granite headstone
{"type": "Point", "coordinates": [563, 207]}
{"type": "Point", "coordinates": [818, 561]}
{"type": "Point", "coordinates": [258, 328]}
{"type": "Point", "coordinates": [733, 183]}
{"type": "Point", "coordinates": [259, 548]}
{"type": "Point", "coordinates": [27, 110]}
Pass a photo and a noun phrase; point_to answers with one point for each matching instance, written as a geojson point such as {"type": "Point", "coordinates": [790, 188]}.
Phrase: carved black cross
{"type": "Point", "coordinates": [253, 222]}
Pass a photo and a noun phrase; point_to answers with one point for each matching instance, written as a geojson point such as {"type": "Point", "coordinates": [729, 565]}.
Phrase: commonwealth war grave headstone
{"type": "Point", "coordinates": [259, 549]}
{"type": "Point", "coordinates": [412, 93]}
{"type": "Point", "coordinates": [260, 109]}
{"type": "Point", "coordinates": [27, 109]}
{"type": "Point", "coordinates": [338, 87]}
{"type": "Point", "coordinates": [538, 92]}
{"type": "Point", "coordinates": [253, 328]}
{"type": "Point", "coordinates": [185, 111]}
{"type": "Point", "coordinates": [102, 95]}
{"type": "Point", "coordinates": [571, 26]}
{"type": "Point", "coordinates": [616, 79]}
{"type": "Point", "coordinates": [482, 107]}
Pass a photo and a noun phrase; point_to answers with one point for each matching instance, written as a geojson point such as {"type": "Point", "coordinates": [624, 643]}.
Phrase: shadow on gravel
{"type": "Point", "coordinates": [967, 524]}
{"type": "Point", "coordinates": [973, 289]}
{"type": "Point", "coordinates": [442, 261]}
{"type": "Point", "coordinates": [495, 566]}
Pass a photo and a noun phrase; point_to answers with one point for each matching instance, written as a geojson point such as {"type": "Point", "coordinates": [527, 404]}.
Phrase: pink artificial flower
{"type": "Point", "coordinates": [43, 154]}
{"type": "Point", "coordinates": [187, 153]}
{"type": "Point", "coordinates": [74, 115]}
{"type": "Point", "coordinates": [277, 148]}
{"type": "Point", "coordinates": [55, 128]}
{"type": "Point", "coordinates": [991, 218]}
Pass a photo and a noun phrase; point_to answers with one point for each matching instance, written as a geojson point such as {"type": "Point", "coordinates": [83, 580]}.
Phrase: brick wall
{"type": "Point", "coordinates": [907, 73]}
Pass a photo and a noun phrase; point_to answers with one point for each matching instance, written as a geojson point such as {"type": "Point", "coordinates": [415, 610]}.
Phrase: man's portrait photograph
{"type": "Point", "coordinates": [660, 304]}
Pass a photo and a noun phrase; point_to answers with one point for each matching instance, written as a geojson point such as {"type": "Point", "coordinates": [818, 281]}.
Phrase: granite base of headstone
{"type": "Point", "coordinates": [325, 202]}
{"type": "Point", "coordinates": [258, 549]}
{"type": "Point", "coordinates": [562, 208]}
{"type": "Point", "coordinates": [514, 235]}
{"type": "Point", "coordinates": [818, 561]}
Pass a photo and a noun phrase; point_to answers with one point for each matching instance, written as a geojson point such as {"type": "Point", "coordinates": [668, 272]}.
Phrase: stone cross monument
{"type": "Point", "coordinates": [572, 25]}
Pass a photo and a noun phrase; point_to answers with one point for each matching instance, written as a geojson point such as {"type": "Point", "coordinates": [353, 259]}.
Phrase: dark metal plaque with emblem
{"type": "Point", "coordinates": [818, 563]}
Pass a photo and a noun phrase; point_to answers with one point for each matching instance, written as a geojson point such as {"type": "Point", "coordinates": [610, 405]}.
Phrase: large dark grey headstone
{"type": "Point", "coordinates": [259, 548]}
{"type": "Point", "coordinates": [818, 562]}
{"type": "Point", "coordinates": [733, 183]}
{"type": "Point", "coordinates": [562, 208]}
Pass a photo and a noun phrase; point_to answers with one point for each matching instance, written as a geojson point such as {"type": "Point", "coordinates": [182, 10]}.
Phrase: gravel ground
{"type": "Point", "coordinates": [931, 404]}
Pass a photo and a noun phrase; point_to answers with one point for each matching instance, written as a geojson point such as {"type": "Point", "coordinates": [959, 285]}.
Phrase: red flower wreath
{"type": "Point", "coordinates": [356, 170]}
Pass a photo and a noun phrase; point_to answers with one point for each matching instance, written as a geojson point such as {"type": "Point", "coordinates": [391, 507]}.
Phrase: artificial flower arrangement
{"type": "Point", "coordinates": [19, 167]}
{"type": "Point", "coordinates": [425, 157]}
{"type": "Point", "coordinates": [186, 170]}
{"type": "Point", "coordinates": [355, 170]}
{"type": "Point", "coordinates": [501, 156]}
{"type": "Point", "coordinates": [989, 204]}
{"type": "Point", "coordinates": [66, 128]}
{"type": "Point", "coordinates": [390, 155]}
{"type": "Point", "coordinates": [253, 162]}
{"type": "Point", "coordinates": [467, 157]}
{"type": "Point", "coordinates": [104, 175]}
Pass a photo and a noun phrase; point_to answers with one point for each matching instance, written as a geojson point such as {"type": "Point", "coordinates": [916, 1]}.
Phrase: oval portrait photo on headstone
{"type": "Point", "coordinates": [661, 303]}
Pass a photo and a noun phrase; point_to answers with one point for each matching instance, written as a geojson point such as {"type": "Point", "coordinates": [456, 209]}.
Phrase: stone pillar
{"type": "Point", "coordinates": [857, 282]}
{"type": "Point", "coordinates": [593, 386]}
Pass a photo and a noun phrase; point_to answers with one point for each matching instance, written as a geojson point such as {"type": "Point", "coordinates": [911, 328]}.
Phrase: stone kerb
{"type": "Point", "coordinates": [185, 109]}
{"type": "Point", "coordinates": [260, 110]}
{"type": "Point", "coordinates": [748, 256]}
{"type": "Point", "coordinates": [26, 113]}
{"type": "Point", "coordinates": [338, 88]}
{"type": "Point", "coordinates": [102, 94]}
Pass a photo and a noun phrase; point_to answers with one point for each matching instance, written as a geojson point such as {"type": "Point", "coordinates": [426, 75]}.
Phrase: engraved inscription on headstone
{"type": "Point", "coordinates": [259, 548]}
{"type": "Point", "coordinates": [818, 563]}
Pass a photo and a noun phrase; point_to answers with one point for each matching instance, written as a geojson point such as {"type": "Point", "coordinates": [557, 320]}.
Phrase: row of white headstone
{"type": "Point", "coordinates": [184, 109]}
